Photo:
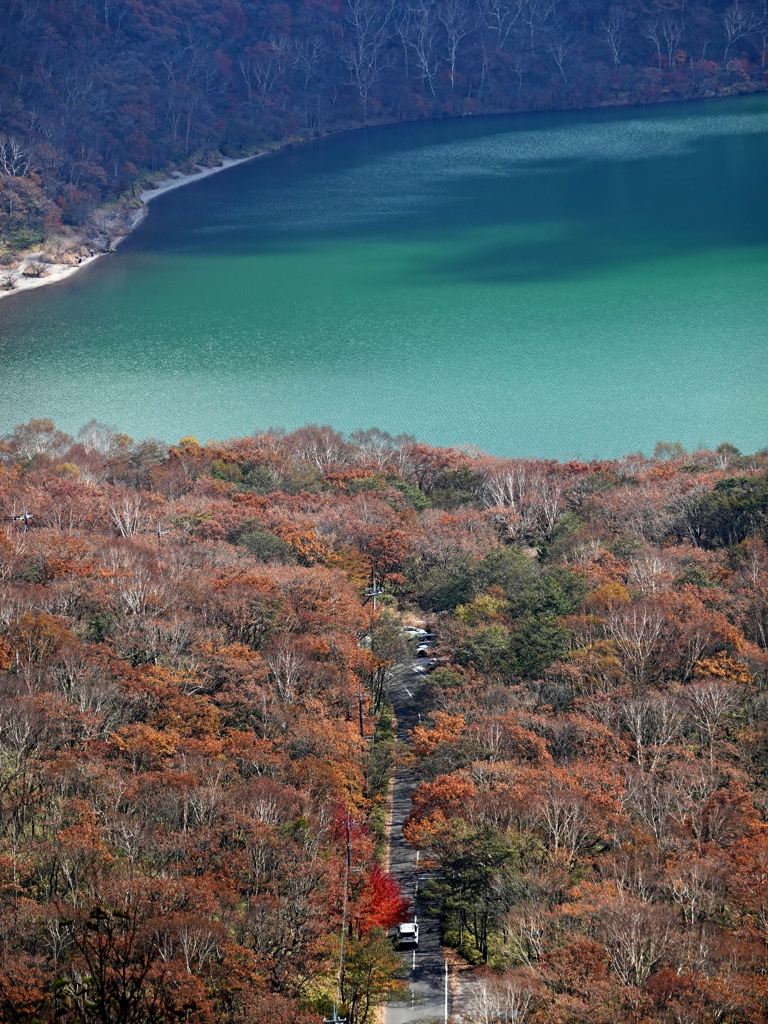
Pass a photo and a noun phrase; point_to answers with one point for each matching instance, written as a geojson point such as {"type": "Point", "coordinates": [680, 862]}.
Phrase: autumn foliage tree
{"type": "Point", "coordinates": [195, 738]}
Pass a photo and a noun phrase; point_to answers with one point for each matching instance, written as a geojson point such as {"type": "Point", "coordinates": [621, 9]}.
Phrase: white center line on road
{"type": "Point", "coordinates": [413, 968]}
{"type": "Point", "coordinates": [409, 693]}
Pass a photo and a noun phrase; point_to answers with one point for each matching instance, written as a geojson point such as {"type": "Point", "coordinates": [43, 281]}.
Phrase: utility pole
{"type": "Point", "coordinates": [373, 592]}
{"type": "Point", "coordinates": [26, 517]}
{"type": "Point", "coordinates": [336, 1019]}
{"type": "Point", "coordinates": [347, 863]}
{"type": "Point", "coordinates": [360, 694]}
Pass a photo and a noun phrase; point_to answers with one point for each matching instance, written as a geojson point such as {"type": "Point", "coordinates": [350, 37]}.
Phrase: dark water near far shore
{"type": "Point", "coordinates": [563, 285]}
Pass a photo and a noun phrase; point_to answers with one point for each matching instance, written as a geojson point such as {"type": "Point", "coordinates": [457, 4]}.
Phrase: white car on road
{"type": "Point", "coordinates": [408, 935]}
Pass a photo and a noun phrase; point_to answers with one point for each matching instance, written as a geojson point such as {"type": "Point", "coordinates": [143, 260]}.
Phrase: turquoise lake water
{"type": "Point", "coordinates": [560, 285]}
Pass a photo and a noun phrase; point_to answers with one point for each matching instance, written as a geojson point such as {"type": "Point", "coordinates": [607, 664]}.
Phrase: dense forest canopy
{"type": "Point", "coordinates": [195, 739]}
{"type": "Point", "coordinates": [94, 94]}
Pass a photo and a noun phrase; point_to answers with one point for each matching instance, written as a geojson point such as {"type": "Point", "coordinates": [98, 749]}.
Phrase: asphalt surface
{"type": "Point", "coordinates": [425, 965]}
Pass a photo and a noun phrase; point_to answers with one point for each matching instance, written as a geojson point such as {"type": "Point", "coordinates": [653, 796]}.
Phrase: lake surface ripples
{"type": "Point", "coordinates": [561, 285]}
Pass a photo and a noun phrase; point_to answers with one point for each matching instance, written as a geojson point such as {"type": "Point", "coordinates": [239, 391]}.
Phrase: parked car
{"type": "Point", "coordinates": [434, 663]}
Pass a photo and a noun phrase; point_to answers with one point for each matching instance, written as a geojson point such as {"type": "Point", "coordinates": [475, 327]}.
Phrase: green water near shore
{"type": "Point", "coordinates": [562, 285]}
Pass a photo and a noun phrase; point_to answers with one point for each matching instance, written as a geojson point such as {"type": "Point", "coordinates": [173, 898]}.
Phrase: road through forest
{"type": "Point", "coordinates": [426, 999]}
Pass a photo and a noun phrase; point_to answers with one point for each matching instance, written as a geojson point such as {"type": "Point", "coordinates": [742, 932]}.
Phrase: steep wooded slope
{"type": "Point", "coordinates": [95, 93]}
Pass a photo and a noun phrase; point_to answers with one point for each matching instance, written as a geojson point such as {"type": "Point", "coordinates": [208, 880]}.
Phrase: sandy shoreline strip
{"type": "Point", "coordinates": [56, 272]}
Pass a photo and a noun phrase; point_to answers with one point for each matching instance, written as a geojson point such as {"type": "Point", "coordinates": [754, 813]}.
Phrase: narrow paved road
{"type": "Point", "coordinates": [427, 983]}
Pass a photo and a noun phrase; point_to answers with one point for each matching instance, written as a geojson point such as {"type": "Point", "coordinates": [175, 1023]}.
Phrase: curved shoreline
{"type": "Point", "coordinates": [57, 272]}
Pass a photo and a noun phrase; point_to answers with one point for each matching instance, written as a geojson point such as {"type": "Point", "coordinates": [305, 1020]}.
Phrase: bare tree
{"type": "Point", "coordinates": [499, 17]}
{"type": "Point", "coordinates": [536, 496]}
{"type": "Point", "coordinates": [527, 928]}
{"type": "Point", "coordinates": [402, 18]}
{"type": "Point", "coordinates": [504, 998]}
{"type": "Point", "coordinates": [710, 703]}
{"type": "Point", "coordinates": [107, 226]}
{"type": "Point", "coordinates": [287, 667]}
{"type": "Point", "coordinates": [35, 268]}
{"type": "Point", "coordinates": [612, 30]}
{"type": "Point", "coordinates": [260, 71]}
{"type": "Point", "coordinates": [139, 590]}
{"type": "Point", "coordinates": [98, 437]}
{"type": "Point", "coordinates": [536, 15]}
{"type": "Point", "coordinates": [15, 158]}
{"type": "Point", "coordinates": [309, 54]}
{"type": "Point", "coordinates": [454, 16]}
{"type": "Point", "coordinates": [738, 21]}
{"type": "Point", "coordinates": [563, 815]}
{"type": "Point", "coordinates": [651, 33]}
{"type": "Point", "coordinates": [561, 42]}
{"type": "Point", "coordinates": [654, 803]}
{"type": "Point", "coordinates": [650, 574]}
{"type": "Point", "coordinates": [8, 278]}
{"type": "Point", "coordinates": [672, 32]}
{"type": "Point", "coordinates": [638, 936]}
{"type": "Point", "coordinates": [38, 437]}
{"type": "Point", "coordinates": [55, 249]}
{"type": "Point", "coordinates": [364, 52]}
{"type": "Point", "coordinates": [424, 42]}
{"type": "Point", "coordinates": [129, 516]}
{"type": "Point", "coordinates": [637, 633]}
{"type": "Point", "coordinates": [761, 31]}
{"type": "Point", "coordinates": [654, 723]}
{"type": "Point", "coordinates": [754, 568]}
{"type": "Point", "coordinates": [694, 885]}
{"type": "Point", "coordinates": [321, 446]}
{"type": "Point", "coordinates": [377, 446]}
{"type": "Point", "coordinates": [519, 66]}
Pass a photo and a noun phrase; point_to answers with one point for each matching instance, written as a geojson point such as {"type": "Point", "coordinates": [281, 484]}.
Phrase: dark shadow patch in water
{"type": "Point", "coordinates": [608, 213]}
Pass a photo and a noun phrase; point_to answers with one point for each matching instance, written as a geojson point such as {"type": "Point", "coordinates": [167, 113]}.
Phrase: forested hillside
{"type": "Point", "coordinates": [94, 94]}
{"type": "Point", "coordinates": [195, 740]}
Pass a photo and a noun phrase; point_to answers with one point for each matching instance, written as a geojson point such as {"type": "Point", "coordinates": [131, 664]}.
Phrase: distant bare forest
{"type": "Point", "coordinates": [94, 94]}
